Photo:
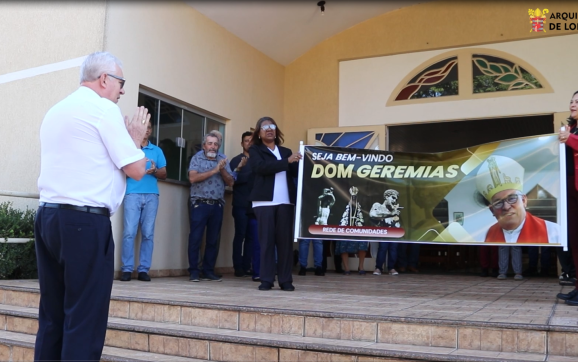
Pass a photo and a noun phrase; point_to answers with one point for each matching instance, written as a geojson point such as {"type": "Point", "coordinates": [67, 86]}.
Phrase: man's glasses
{"type": "Point", "coordinates": [511, 199]}
{"type": "Point", "coordinates": [268, 126]}
{"type": "Point", "coordinates": [120, 79]}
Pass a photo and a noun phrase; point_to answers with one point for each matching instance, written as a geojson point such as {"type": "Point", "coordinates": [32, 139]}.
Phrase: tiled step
{"type": "Point", "coordinates": [459, 335]}
{"type": "Point", "coordinates": [231, 345]}
{"type": "Point", "coordinates": [20, 347]}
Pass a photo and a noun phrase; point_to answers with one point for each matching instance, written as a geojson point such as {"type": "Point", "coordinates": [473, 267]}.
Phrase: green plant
{"type": "Point", "coordinates": [17, 260]}
{"type": "Point", "coordinates": [16, 223]}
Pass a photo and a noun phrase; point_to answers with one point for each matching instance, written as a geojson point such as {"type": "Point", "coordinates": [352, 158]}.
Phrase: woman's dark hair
{"type": "Point", "coordinates": [572, 121]}
{"type": "Point", "coordinates": [257, 141]}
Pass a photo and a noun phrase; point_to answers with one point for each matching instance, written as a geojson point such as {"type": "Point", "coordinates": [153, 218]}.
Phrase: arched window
{"type": "Point", "coordinates": [468, 74]}
{"type": "Point", "coordinates": [493, 74]}
{"type": "Point", "coordinates": [437, 80]}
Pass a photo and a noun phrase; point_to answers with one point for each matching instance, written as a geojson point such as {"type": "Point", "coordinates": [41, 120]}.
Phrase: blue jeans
{"type": "Point", "coordinates": [402, 257]}
{"type": "Point", "coordinates": [139, 209]}
{"type": "Point", "coordinates": [384, 247]}
{"type": "Point", "coordinates": [317, 252]}
{"type": "Point", "coordinates": [203, 216]}
{"type": "Point", "coordinates": [241, 250]}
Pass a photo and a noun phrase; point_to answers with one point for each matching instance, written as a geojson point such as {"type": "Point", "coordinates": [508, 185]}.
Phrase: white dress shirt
{"type": "Point", "coordinates": [84, 145]}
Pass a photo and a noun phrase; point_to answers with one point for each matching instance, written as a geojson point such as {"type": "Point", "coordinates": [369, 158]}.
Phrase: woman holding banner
{"type": "Point", "coordinates": [274, 195]}
{"type": "Point", "coordinates": [569, 136]}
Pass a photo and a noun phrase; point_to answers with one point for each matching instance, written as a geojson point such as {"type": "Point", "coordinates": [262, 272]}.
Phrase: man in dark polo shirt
{"type": "Point", "coordinates": [243, 238]}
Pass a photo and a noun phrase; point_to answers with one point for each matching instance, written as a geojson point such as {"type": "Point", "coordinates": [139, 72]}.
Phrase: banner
{"type": "Point", "coordinates": [502, 193]}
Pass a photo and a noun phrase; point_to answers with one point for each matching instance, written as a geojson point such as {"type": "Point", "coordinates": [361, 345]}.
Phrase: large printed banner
{"type": "Point", "coordinates": [499, 193]}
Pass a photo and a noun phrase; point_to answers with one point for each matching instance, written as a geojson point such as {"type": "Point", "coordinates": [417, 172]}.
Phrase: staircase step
{"type": "Point", "coordinates": [20, 347]}
{"type": "Point", "coordinates": [172, 340]}
{"type": "Point", "coordinates": [171, 317]}
{"type": "Point", "coordinates": [557, 340]}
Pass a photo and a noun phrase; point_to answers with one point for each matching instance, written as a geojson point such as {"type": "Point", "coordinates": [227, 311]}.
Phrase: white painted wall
{"type": "Point", "coordinates": [365, 85]}
{"type": "Point", "coordinates": [173, 49]}
{"type": "Point", "coordinates": [166, 46]}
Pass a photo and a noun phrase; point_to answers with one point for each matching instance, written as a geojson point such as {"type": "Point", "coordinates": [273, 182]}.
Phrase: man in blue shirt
{"type": "Point", "coordinates": [140, 207]}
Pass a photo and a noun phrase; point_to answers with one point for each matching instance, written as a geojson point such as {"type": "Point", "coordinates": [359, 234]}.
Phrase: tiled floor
{"type": "Point", "coordinates": [446, 297]}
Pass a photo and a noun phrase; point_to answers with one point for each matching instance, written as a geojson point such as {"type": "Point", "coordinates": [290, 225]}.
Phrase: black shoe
{"type": "Point", "coordinates": [494, 274]}
{"type": "Point", "coordinates": [143, 276]}
{"type": "Point", "coordinates": [265, 286]}
{"type": "Point", "coordinates": [319, 271]}
{"type": "Point", "coordinates": [302, 271]}
{"type": "Point", "coordinates": [211, 278]}
{"type": "Point", "coordinates": [568, 296]}
{"type": "Point", "coordinates": [256, 279]}
{"type": "Point", "coordinates": [568, 282]}
{"type": "Point", "coordinates": [125, 277]}
{"type": "Point", "coordinates": [288, 287]}
{"type": "Point", "coordinates": [194, 277]}
{"type": "Point", "coordinates": [239, 273]}
{"type": "Point", "coordinates": [202, 275]}
{"type": "Point", "coordinates": [485, 273]}
{"type": "Point", "coordinates": [566, 279]}
{"type": "Point", "coordinates": [573, 301]}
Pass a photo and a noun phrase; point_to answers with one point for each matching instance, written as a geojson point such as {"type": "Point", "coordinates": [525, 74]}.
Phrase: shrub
{"type": "Point", "coordinates": [17, 260]}
{"type": "Point", "coordinates": [16, 223]}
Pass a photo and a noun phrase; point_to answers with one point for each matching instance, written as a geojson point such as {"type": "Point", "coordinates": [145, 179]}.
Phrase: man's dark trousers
{"type": "Point", "coordinates": [242, 241]}
{"type": "Point", "coordinates": [209, 216]}
{"type": "Point", "coordinates": [75, 253]}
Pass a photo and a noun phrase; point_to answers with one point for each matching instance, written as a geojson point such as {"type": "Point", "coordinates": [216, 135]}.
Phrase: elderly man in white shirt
{"type": "Point", "coordinates": [87, 150]}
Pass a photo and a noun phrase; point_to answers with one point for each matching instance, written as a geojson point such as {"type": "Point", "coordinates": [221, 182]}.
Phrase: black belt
{"type": "Point", "coordinates": [91, 209]}
{"type": "Point", "coordinates": [207, 201]}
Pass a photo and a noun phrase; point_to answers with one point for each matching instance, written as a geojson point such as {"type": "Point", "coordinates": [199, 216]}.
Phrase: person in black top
{"type": "Point", "coordinates": [273, 196]}
{"type": "Point", "coordinates": [241, 250]}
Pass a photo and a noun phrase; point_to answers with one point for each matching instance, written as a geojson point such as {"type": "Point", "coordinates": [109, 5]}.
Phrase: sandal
{"type": "Point", "coordinates": [347, 272]}
{"type": "Point", "coordinates": [362, 272]}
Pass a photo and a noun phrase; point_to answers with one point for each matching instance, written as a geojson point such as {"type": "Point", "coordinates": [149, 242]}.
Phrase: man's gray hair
{"type": "Point", "coordinates": [96, 64]}
{"type": "Point", "coordinates": [217, 134]}
{"type": "Point", "coordinates": [214, 134]}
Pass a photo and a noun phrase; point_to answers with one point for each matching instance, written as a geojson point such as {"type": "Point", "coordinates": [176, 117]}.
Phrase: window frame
{"type": "Point", "coordinates": [183, 106]}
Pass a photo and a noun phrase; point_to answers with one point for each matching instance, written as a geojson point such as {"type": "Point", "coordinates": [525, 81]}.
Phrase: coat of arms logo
{"type": "Point", "coordinates": [537, 19]}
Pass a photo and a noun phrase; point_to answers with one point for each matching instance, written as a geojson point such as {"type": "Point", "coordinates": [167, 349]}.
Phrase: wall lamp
{"type": "Point", "coordinates": [321, 4]}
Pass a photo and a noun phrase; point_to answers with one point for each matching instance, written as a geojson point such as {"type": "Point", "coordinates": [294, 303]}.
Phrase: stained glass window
{"type": "Point", "coordinates": [497, 73]}
{"type": "Point", "coordinates": [493, 74]}
{"type": "Point", "coordinates": [345, 139]}
{"type": "Point", "coordinates": [438, 80]}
